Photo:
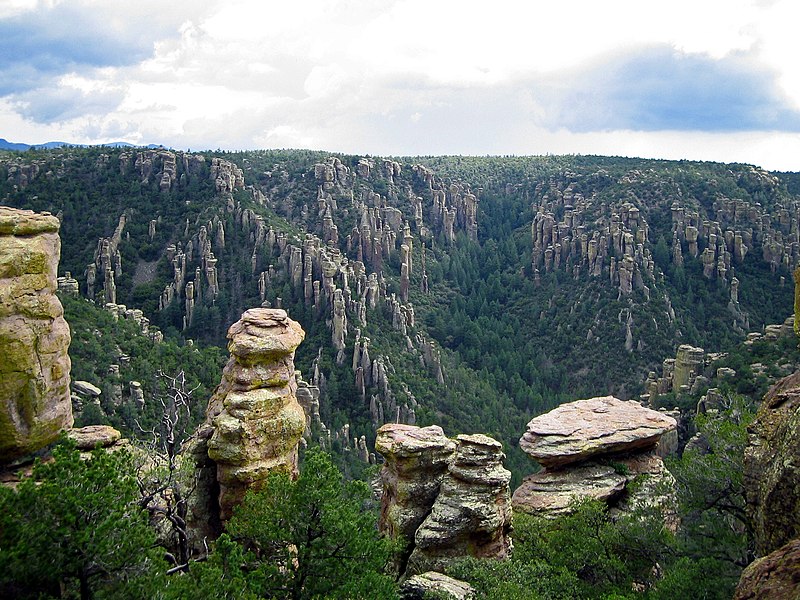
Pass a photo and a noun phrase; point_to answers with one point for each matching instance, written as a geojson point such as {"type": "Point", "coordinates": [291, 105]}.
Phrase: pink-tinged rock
{"type": "Point", "coordinates": [552, 492]}
{"type": "Point", "coordinates": [92, 436]}
{"type": "Point", "coordinates": [773, 577]}
{"type": "Point", "coordinates": [576, 431]}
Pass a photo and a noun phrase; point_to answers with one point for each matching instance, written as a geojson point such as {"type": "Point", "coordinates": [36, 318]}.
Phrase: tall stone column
{"type": "Point", "coordinates": [35, 401]}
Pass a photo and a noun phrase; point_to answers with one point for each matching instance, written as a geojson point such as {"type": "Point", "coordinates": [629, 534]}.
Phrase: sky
{"type": "Point", "coordinates": [714, 80]}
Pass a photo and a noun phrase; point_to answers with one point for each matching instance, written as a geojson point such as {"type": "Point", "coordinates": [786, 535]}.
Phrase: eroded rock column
{"type": "Point", "coordinates": [35, 401]}
{"type": "Point", "coordinates": [254, 415]}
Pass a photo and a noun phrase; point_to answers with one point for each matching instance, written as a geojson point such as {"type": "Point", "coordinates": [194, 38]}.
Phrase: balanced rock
{"type": "Point", "coordinates": [35, 403]}
{"type": "Point", "coordinates": [772, 467]}
{"type": "Point", "coordinates": [253, 419]}
{"type": "Point", "coordinates": [472, 513]}
{"type": "Point", "coordinates": [772, 577]}
{"type": "Point", "coordinates": [578, 430]}
{"type": "Point", "coordinates": [416, 460]}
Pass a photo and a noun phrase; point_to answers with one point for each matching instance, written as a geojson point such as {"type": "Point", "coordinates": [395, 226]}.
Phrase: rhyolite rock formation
{"type": "Point", "coordinates": [435, 585]}
{"type": "Point", "coordinates": [416, 459]}
{"type": "Point", "coordinates": [444, 499]}
{"type": "Point", "coordinates": [594, 448]}
{"type": "Point", "coordinates": [577, 430]}
{"type": "Point", "coordinates": [772, 577]}
{"type": "Point", "coordinates": [35, 401]}
{"type": "Point", "coordinates": [772, 467]}
{"type": "Point", "coordinates": [253, 422]}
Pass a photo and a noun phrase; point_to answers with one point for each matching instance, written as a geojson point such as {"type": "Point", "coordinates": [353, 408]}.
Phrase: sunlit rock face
{"type": "Point", "coordinates": [253, 421]}
{"type": "Point", "coordinates": [443, 498]}
{"type": "Point", "coordinates": [35, 401]}
{"type": "Point", "coordinates": [595, 448]}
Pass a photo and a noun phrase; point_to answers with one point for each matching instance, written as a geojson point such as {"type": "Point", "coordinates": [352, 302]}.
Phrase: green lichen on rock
{"type": "Point", "coordinates": [35, 402]}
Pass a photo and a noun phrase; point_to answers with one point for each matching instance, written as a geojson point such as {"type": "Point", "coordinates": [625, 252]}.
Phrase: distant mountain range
{"type": "Point", "coordinates": [20, 147]}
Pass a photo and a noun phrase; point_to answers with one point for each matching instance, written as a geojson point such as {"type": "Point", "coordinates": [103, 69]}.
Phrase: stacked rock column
{"type": "Point", "coordinates": [35, 401]}
{"type": "Point", "coordinates": [256, 420]}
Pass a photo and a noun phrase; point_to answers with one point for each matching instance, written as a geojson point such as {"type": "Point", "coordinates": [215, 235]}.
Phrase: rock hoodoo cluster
{"type": "Point", "coordinates": [35, 367]}
{"type": "Point", "coordinates": [593, 448]}
{"type": "Point", "coordinates": [253, 421]}
{"type": "Point", "coordinates": [443, 498]}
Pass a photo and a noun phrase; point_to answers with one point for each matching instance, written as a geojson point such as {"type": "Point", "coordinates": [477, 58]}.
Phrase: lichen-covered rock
{"type": "Point", "coordinates": [772, 467]}
{"type": "Point", "coordinates": [578, 430]}
{"type": "Point", "coordinates": [416, 459]}
{"type": "Point", "coordinates": [253, 421]}
{"type": "Point", "coordinates": [92, 436]}
{"type": "Point", "coordinates": [472, 513]}
{"type": "Point", "coordinates": [35, 401]}
{"type": "Point", "coordinates": [551, 492]}
{"type": "Point", "coordinates": [435, 585]}
{"type": "Point", "coordinates": [773, 577]}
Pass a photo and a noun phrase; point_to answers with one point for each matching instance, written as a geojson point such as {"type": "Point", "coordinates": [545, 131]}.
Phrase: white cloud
{"type": "Point", "coordinates": [392, 76]}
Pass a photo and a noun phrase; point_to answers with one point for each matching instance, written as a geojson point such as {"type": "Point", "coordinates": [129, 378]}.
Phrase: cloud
{"type": "Point", "coordinates": [661, 89]}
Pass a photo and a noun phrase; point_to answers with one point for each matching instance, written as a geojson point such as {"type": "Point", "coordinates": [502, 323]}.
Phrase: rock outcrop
{"type": "Point", "coordinates": [594, 448]}
{"type": "Point", "coordinates": [435, 585]}
{"type": "Point", "coordinates": [577, 430]}
{"type": "Point", "coordinates": [253, 421]}
{"type": "Point", "coordinates": [443, 498]}
{"type": "Point", "coordinates": [773, 577]}
{"type": "Point", "coordinates": [772, 467]}
{"type": "Point", "coordinates": [35, 401]}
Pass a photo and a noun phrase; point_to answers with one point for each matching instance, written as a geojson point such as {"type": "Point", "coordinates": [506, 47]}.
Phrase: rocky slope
{"type": "Point", "coordinates": [474, 293]}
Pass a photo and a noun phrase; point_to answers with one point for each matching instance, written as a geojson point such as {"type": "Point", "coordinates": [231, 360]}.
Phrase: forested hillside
{"type": "Point", "coordinates": [473, 293]}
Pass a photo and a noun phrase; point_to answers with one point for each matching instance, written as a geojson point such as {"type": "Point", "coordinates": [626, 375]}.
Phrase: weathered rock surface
{"type": "Point", "coordinates": [773, 577]}
{"type": "Point", "coordinates": [437, 585]}
{"type": "Point", "coordinates": [35, 401]}
{"type": "Point", "coordinates": [552, 492]}
{"type": "Point", "coordinates": [91, 436]}
{"type": "Point", "coordinates": [578, 430]}
{"type": "Point", "coordinates": [443, 498]}
{"type": "Point", "coordinates": [472, 513]}
{"type": "Point", "coordinates": [594, 449]}
{"type": "Point", "coordinates": [416, 460]}
{"type": "Point", "coordinates": [253, 421]}
{"type": "Point", "coordinates": [772, 467]}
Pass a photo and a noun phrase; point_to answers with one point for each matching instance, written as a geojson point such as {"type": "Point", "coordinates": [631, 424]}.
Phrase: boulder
{"type": "Point", "coordinates": [35, 403]}
{"type": "Point", "coordinates": [772, 467]}
{"type": "Point", "coordinates": [92, 436]}
{"type": "Point", "coordinates": [472, 513]}
{"type": "Point", "coordinates": [550, 493]}
{"type": "Point", "coordinates": [773, 577]}
{"type": "Point", "coordinates": [86, 389]}
{"type": "Point", "coordinates": [435, 585]}
{"type": "Point", "coordinates": [578, 430]}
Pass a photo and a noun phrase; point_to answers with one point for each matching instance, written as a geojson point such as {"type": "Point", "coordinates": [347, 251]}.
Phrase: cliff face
{"type": "Point", "coordinates": [34, 370]}
{"type": "Point", "coordinates": [772, 467]}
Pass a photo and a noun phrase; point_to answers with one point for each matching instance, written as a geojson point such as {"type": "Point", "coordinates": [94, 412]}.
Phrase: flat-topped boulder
{"type": "Point", "coordinates": [263, 334]}
{"type": "Point", "coordinates": [93, 436]}
{"type": "Point", "coordinates": [578, 430]}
